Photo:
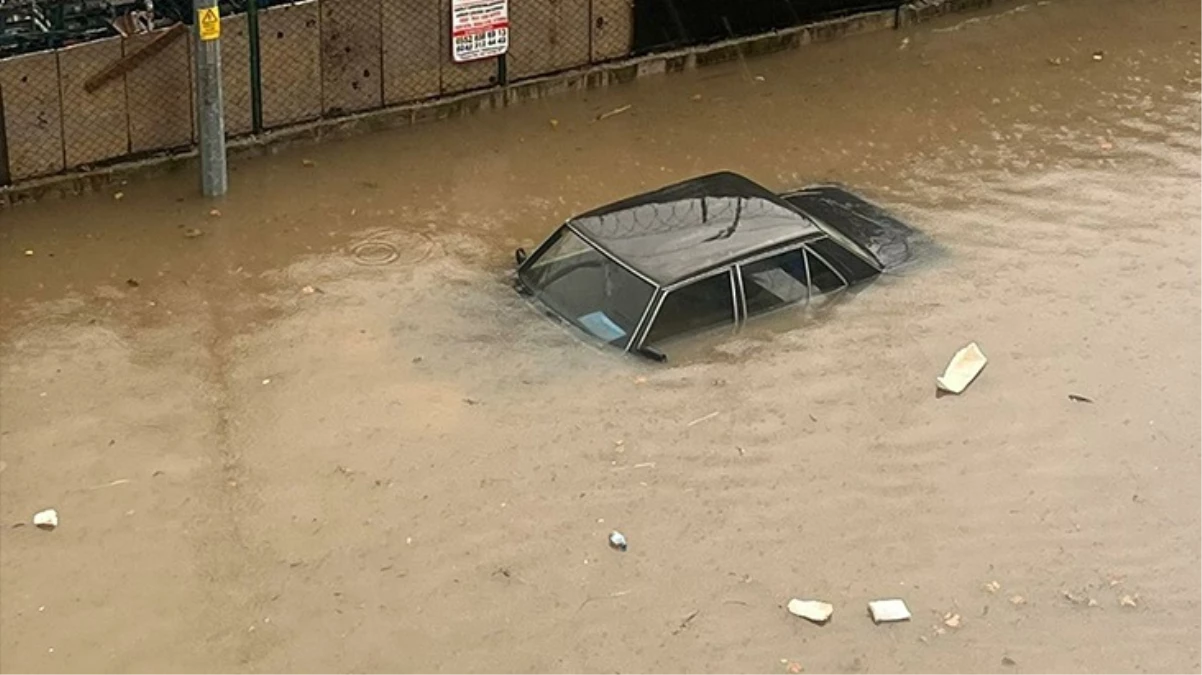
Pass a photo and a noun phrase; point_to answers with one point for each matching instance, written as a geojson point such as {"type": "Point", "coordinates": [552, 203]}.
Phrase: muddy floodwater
{"type": "Point", "coordinates": [316, 430]}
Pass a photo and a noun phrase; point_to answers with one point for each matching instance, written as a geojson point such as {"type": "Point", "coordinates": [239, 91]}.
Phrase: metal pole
{"type": "Point", "coordinates": [256, 73]}
{"type": "Point", "coordinates": [211, 121]}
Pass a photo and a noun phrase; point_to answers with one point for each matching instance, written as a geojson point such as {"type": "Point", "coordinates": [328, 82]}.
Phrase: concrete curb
{"type": "Point", "coordinates": [589, 78]}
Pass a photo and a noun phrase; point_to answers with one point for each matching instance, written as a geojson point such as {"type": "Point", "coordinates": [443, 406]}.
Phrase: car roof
{"type": "Point", "coordinates": [685, 229]}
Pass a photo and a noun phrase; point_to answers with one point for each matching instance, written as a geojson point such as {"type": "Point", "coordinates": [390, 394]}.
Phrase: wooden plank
{"type": "Point", "coordinates": [613, 29]}
{"type": "Point", "coordinates": [410, 48]}
{"type": "Point", "coordinates": [547, 36]}
{"type": "Point", "coordinates": [95, 126]}
{"type": "Point", "coordinates": [290, 52]}
{"type": "Point", "coordinates": [146, 48]}
{"type": "Point", "coordinates": [32, 115]}
{"type": "Point", "coordinates": [158, 92]}
{"type": "Point", "coordinates": [350, 56]}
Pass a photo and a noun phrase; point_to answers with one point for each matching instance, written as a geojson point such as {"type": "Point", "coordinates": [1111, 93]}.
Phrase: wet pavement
{"type": "Point", "coordinates": [317, 430]}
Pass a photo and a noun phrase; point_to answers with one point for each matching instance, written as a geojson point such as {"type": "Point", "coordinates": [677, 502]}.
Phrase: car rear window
{"type": "Point", "coordinates": [587, 288]}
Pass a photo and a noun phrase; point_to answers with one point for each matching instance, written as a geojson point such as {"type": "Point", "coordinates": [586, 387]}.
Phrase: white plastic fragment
{"type": "Point", "coordinates": [47, 520]}
{"type": "Point", "coordinates": [888, 611]}
{"type": "Point", "coordinates": [963, 369]}
{"type": "Point", "coordinates": [815, 610]}
{"type": "Point", "coordinates": [617, 540]}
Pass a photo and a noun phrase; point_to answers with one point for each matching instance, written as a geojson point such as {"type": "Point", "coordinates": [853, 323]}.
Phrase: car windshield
{"type": "Point", "coordinates": [587, 288]}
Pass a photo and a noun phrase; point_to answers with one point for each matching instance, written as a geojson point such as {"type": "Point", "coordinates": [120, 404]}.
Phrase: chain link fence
{"type": "Point", "coordinates": [115, 79]}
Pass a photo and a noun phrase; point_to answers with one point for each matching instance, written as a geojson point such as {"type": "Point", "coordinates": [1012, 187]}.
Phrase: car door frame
{"type": "Point", "coordinates": [802, 247]}
{"type": "Point", "coordinates": [657, 302]}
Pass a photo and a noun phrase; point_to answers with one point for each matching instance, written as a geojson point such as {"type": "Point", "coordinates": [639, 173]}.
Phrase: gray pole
{"type": "Point", "coordinates": [211, 121]}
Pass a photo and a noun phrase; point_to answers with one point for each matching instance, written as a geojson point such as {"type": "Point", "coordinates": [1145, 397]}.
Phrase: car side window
{"type": "Point", "coordinates": [823, 279]}
{"type": "Point", "coordinates": [775, 282]}
{"type": "Point", "coordinates": [703, 304]}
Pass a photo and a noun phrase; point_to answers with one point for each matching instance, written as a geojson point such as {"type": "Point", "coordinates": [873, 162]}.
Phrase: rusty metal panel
{"type": "Point", "coordinates": [350, 56]}
{"type": "Point", "coordinates": [411, 50]}
{"type": "Point", "coordinates": [613, 29]}
{"type": "Point", "coordinates": [159, 95]}
{"type": "Point", "coordinates": [95, 125]}
{"type": "Point", "coordinates": [32, 114]}
{"type": "Point", "coordinates": [235, 75]}
{"type": "Point", "coordinates": [290, 51]}
{"type": "Point", "coordinates": [457, 77]}
{"type": "Point", "coordinates": [546, 36]}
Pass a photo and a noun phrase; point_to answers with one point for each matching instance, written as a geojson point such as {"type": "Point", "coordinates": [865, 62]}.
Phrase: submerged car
{"type": "Point", "coordinates": [710, 251]}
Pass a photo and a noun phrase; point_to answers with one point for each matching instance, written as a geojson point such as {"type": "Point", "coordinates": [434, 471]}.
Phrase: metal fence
{"type": "Point", "coordinates": [131, 94]}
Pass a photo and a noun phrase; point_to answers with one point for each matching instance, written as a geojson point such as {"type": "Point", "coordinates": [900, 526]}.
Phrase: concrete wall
{"type": "Point", "coordinates": [95, 125]}
{"type": "Point", "coordinates": [612, 29]}
{"type": "Point", "coordinates": [32, 115]}
{"type": "Point", "coordinates": [350, 56]}
{"type": "Point", "coordinates": [547, 36]}
{"type": "Point", "coordinates": [235, 74]}
{"type": "Point", "coordinates": [290, 53]}
{"type": "Point", "coordinates": [333, 58]}
{"type": "Point", "coordinates": [158, 95]}
{"type": "Point", "coordinates": [410, 63]}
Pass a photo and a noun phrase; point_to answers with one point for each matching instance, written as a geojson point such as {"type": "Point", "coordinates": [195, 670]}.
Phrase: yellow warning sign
{"type": "Point", "coordinates": [209, 21]}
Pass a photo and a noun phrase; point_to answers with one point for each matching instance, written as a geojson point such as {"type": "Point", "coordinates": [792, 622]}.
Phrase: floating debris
{"type": "Point", "coordinates": [951, 620]}
{"type": "Point", "coordinates": [1077, 398]}
{"type": "Point", "coordinates": [615, 111]}
{"type": "Point", "coordinates": [888, 611]}
{"type": "Point", "coordinates": [617, 541]}
{"type": "Point", "coordinates": [963, 369]}
{"type": "Point", "coordinates": [814, 610]}
{"type": "Point", "coordinates": [46, 520]}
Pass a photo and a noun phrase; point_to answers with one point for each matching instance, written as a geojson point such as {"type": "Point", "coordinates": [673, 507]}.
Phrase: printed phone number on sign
{"type": "Point", "coordinates": [471, 46]}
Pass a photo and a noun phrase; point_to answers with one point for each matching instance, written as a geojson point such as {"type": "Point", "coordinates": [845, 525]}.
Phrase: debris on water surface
{"type": "Point", "coordinates": [46, 520]}
{"type": "Point", "coordinates": [1097, 56]}
{"type": "Point", "coordinates": [703, 418]}
{"type": "Point", "coordinates": [814, 610]}
{"type": "Point", "coordinates": [192, 233]}
{"type": "Point", "coordinates": [794, 667]}
{"type": "Point", "coordinates": [308, 163]}
{"type": "Point", "coordinates": [963, 369]}
{"type": "Point", "coordinates": [1055, 61]}
{"type": "Point", "coordinates": [951, 620]}
{"type": "Point", "coordinates": [993, 587]}
{"type": "Point", "coordinates": [214, 213]}
{"type": "Point", "coordinates": [132, 283]}
{"type": "Point", "coordinates": [118, 196]}
{"type": "Point", "coordinates": [1007, 661]}
{"type": "Point", "coordinates": [1017, 600]}
{"type": "Point", "coordinates": [29, 251]}
{"type": "Point", "coordinates": [685, 623]}
{"type": "Point", "coordinates": [617, 540]}
{"type": "Point", "coordinates": [888, 611]}
{"type": "Point", "coordinates": [1129, 601]}
{"type": "Point", "coordinates": [1077, 398]}
{"type": "Point", "coordinates": [615, 111]}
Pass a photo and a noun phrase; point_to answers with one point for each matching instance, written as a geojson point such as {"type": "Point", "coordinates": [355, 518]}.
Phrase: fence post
{"type": "Point", "coordinates": [256, 71]}
{"type": "Point", "coordinates": [214, 181]}
{"type": "Point", "coordinates": [5, 179]}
